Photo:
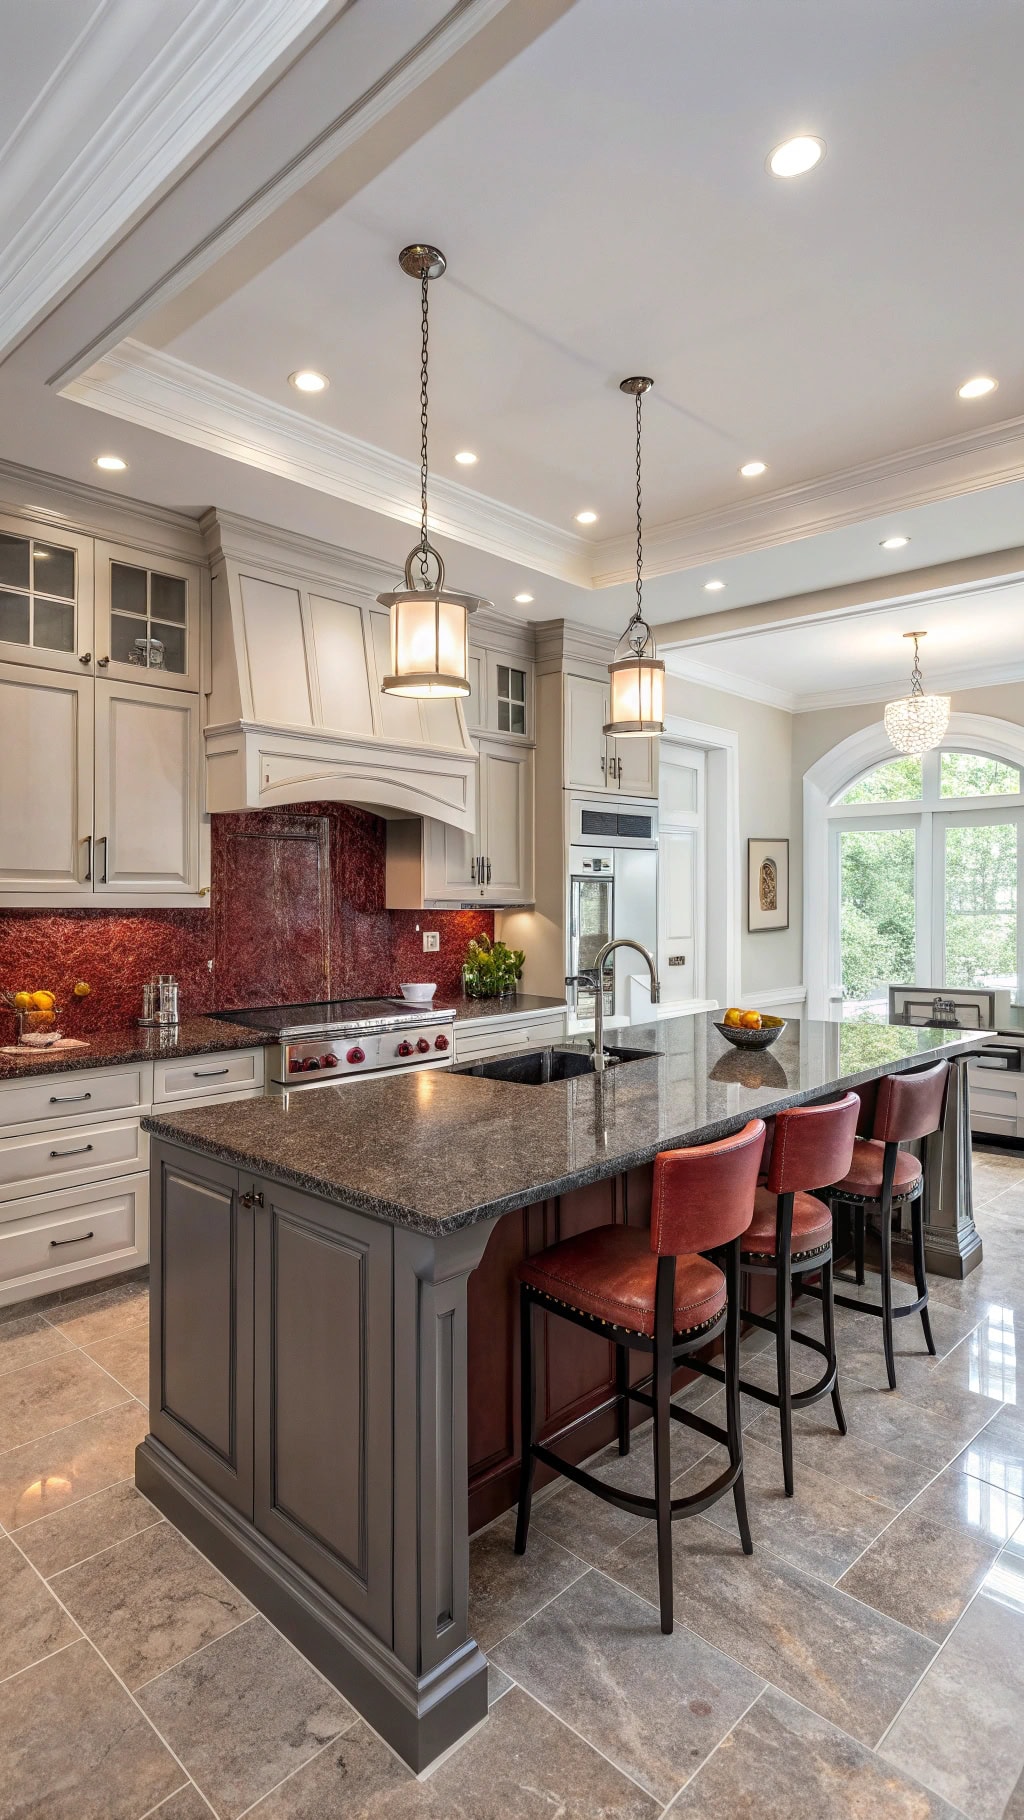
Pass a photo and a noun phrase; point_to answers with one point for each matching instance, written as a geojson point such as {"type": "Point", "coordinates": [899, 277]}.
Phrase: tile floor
{"type": "Point", "coordinates": [868, 1660]}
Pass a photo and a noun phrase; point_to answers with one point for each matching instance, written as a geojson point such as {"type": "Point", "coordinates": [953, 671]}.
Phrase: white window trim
{"type": "Point", "coordinates": [834, 772]}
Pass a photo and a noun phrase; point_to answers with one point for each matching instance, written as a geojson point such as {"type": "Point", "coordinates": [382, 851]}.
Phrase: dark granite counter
{"type": "Point", "coordinates": [439, 1150]}
{"type": "Point", "coordinates": [193, 1036]}
{"type": "Point", "coordinates": [520, 1004]}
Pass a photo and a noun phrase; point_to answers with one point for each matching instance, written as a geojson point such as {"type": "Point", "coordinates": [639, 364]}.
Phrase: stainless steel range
{"type": "Point", "coordinates": [348, 1039]}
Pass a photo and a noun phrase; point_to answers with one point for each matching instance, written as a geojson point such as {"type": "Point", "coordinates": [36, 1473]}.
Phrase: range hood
{"type": "Point", "coordinates": [296, 714]}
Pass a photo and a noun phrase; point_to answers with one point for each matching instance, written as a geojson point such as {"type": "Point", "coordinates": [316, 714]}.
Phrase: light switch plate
{"type": "Point", "coordinates": [431, 941]}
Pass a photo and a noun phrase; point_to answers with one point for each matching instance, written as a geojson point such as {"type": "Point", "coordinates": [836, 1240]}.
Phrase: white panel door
{"type": "Point", "coordinates": [46, 735]}
{"type": "Point", "coordinates": [506, 794]}
{"type": "Point", "coordinates": [678, 934]}
{"type": "Point", "coordinates": [586, 749]}
{"type": "Point", "coordinates": [147, 789]}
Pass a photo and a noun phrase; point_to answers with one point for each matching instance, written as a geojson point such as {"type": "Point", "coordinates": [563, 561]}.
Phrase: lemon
{"type": "Point", "coordinates": [81, 989]}
{"type": "Point", "coordinates": [23, 1001]}
{"type": "Point", "coordinates": [43, 1001]}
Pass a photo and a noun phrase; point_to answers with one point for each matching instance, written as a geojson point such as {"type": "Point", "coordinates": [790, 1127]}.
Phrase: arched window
{"type": "Point", "coordinates": [924, 860]}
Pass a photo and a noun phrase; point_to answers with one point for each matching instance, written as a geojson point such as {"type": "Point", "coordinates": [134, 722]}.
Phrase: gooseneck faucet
{"type": "Point", "coordinates": [623, 941]}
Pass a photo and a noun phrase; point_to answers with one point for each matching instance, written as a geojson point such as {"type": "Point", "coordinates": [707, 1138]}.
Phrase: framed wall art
{"type": "Point", "coordinates": [767, 884]}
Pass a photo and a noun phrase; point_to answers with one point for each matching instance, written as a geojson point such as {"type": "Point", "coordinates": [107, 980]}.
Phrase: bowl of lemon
{"type": "Point", "coordinates": [750, 1029]}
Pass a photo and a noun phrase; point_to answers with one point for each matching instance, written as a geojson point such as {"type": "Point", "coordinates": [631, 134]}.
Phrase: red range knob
{"type": "Point", "coordinates": [294, 1064]}
{"type": "Point", "coordinates": [329, 1061]}
{"type": "Point", "coordinates": [423, 1045]}
{"type": "Point", "coordinates": [404, 1049]}
{"type": "Point", "coordinates": [440, 1042]}
{"type": "Point", "coordinates": [356, 1055]}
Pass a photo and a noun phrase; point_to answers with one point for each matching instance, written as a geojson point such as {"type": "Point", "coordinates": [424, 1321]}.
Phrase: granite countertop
{"type": "Point", "coordinates": [193, 1036]}
{"type": "Point", "coordinates": [437, 1150]}
{"type": "Point", "coordinates": [520, 1004]}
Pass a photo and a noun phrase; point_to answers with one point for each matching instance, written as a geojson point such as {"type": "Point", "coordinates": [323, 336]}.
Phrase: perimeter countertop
{"type": "Point", "coordinates": [438, 1150]}
{"type": "Point", "coordinates": [193, 1036]}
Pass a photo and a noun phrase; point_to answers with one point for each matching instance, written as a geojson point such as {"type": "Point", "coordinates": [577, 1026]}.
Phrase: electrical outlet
{"type": "Point", "coordinates": [431, 941]}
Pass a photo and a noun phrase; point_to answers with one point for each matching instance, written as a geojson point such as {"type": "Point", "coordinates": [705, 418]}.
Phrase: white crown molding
{"type": "Point", "coordinates": [749, 688]}
{"type": "Point", "coordinates": [711, 676]}
{"type": "Point", "coordinates": [145, 386]}
{"type": "Point", "coordinates": [198, 82]}
{"type": "Point", "coordinates": [988, 457]}
{"type": "Point", "coordinates": [72, 505]}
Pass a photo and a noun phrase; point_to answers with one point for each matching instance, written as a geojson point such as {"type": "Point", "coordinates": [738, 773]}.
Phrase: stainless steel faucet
{"type": "Point", "coordinates": [622, 942]}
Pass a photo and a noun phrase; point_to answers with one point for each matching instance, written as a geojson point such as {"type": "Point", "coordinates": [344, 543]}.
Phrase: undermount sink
{"type": "Point", "coordinates": [539, 1067]}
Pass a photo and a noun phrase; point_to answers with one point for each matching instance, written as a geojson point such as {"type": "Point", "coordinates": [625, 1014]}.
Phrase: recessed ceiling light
{"type": "Point", "coordinates": [894, 543]}
{"type": "Point", "coordinates": [795, 156]}
{"type": "Point", "coordinates": [977, 388]}
{"type": "Point", "coordinates": [713, 587]}
{"type": "Point", "coordinates": [586, 518]}
{"type": "Point", "coordinates": [465, 458]}
{"type": "Point", "coordinates": [111, 464]}
{"type": "Point", "coordinates": [751, 469]}
{"type": "Point", "coordinates": [523, 600]}
{"type": "Point", "coordinates": [307, 379]}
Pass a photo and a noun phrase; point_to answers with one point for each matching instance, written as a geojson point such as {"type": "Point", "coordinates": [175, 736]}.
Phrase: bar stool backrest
{"type": "Point", "coordinates": [910, 1105]}
{"type": "Point", "coordinates": [704, 1195]}
{"type": "Point", "coordinates": [813, 1146]}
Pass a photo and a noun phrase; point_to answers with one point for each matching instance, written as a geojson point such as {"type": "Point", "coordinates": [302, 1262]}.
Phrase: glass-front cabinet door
{"type": "Point", "coordinates": [45, 597]}
{"type": "Point", "coordinates": [147, 618]}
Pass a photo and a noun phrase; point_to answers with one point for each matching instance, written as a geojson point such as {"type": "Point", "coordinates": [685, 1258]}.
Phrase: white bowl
{"type": "Point", "coordinates": [417, 993]}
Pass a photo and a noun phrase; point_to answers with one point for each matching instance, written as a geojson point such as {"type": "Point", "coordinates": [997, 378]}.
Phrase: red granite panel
{"type": "Point", "coordinates": [295, 892]}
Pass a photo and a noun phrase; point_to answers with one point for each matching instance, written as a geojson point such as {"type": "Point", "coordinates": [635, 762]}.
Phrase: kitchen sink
{"type": "Point", "coordinates": [539, 1067]}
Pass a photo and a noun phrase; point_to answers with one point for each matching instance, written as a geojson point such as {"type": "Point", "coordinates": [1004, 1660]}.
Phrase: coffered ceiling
{"type": "Point", "coordinates": [596, 173]}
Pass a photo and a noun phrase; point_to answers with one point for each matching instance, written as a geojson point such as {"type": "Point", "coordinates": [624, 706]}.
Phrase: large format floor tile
{"type": "Point", "coordinates": [32, 1623]}
{"type": "Point", "coordinates": [106, 1314]}
{"type": "Point", "coordinates": [86, 1528]}
{"type": "Point", "coordinates": [590, 1528]}
{"type": "Point", "coordinates": [27, 1341]}
{"type": "Point", "coordinates": [505, 1588]}
{"type": "Point", "coordinates": [44, 1476]}
{"type": "Point", "coordinates": [150, 1601]}
{"type": "Point", "coordinates": [60, 1390]}
{"type": "Point", "coordinates": [126, 1357]}
{"type": "Point", "coordinates": [74, 1745]}
{"type": "Point", "coordinates": [997, 1453]}
{"type": "Point", "coordinates": [655, 1705]}
{"type": "Point", "coordinates": [523, 1765]}
{"type": "Point", "coordinates": [838, 1656]}
{"type": "Point", "coordinates": [782, 1759]}
{"type": "Point", "coordinates": [244, 1713]}
{"type": "Point", "coordinates": [894, 1420]}
{"type": "Point", "coordinates": [963, 1731]}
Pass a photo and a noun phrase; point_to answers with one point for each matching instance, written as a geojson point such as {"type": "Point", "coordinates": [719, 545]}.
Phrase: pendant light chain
{"type": "Point", "coordinates": [916, 678]}
{"type": "Point", "coordinates": [424, 334]}
{"type": "Point", "coordinates": [638, 615]}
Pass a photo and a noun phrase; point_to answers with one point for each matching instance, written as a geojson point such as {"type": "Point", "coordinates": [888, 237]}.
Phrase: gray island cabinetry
{"type": "Point", "coordinates": [333, 1390]}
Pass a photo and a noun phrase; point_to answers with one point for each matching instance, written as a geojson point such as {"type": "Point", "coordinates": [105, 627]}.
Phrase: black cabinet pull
{"type": "Point", "coordinates": [81, 1150]}
{"type": "Point", "coordinates": [79, 1241]}
{"type": "Point", "coordinates": [253, 1199]}
{"type": "Point", "coordinates": [208, 1074]}
{"type": "Point", "coordinates": [66, 1099]}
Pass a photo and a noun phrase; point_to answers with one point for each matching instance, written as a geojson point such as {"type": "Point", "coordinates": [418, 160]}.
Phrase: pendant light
{"type": "Point", "coordinates": [429, 622]}
{"type": "Point", "coordinates": [637, 695]}
{"type": "Point", "coordinates": [918, 721]}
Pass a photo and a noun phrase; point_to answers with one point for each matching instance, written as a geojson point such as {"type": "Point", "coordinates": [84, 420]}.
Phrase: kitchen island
{"type": "Point", "coordinates": [333, 1322]}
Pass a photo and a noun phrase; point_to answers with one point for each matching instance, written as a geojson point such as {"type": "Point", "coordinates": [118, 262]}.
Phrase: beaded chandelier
{"type": "Point", "coordinates": [918, 721]}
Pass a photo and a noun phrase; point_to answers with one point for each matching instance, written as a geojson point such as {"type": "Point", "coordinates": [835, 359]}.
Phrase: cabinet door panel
{"type": "Point", "coordinates": [323, 1396]}
{"type": "Point", "coordinates": [586, 711]}
{"type": "Point", "coordinates": [147, 618]}
{"type": "Point", "coordinates": [46, 736]}
{"type": "Point", "coordinates": [636, 766]}
{"type": "Point", "coordinates": [46, 597]}
{"type": "Point", "coordinates": [201, 1337]}
{"type": "Point", "coordinates": [147, 789]}
{"type": "Point", "coordinates": [506, 789]}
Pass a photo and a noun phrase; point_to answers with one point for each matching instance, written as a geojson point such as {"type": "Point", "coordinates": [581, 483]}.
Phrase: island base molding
{"type": "Point", "coordinates": [420, 1717]}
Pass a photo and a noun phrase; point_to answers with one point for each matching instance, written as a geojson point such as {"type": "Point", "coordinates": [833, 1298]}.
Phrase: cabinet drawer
{"type": "Point", "coordinates": [76, 1153]}
{"type": "Point", "coordinates": [197, 1076]}
{"type": "Point", "coordinates": [536, 1033]}
{"type": "Point", "coordinates": [73, 1095]}
{"type": "Point", "coordinates": [80, 1233]}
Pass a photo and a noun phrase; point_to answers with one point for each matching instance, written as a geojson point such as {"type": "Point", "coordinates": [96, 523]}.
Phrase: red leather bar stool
{"type": "Point", "coordinates": [653, 1292]}
{"type": "Point", "coordinates": [882, 1177]}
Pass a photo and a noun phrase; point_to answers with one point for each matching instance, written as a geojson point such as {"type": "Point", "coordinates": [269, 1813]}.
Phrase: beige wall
{"type": "Point", "coordinates": [772, 958]}
{"type": "Point", "coordinates": [815, 734]}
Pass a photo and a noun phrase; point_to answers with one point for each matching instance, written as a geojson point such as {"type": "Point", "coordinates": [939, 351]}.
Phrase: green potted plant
{"type": "Point", "coordinates": [490, 969]}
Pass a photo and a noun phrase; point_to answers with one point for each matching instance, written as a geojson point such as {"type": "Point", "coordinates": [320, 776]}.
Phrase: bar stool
{"type": "Point", "coordinates": [652, 1292]}
{"type": "Point", "coordinates": [791, 1235]}
{"type": "Point", "coordinates": [883, 1176]}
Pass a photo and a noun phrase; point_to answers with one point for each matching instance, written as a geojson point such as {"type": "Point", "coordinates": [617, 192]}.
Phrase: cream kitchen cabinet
{"type": "Point", "coordinates": [46, 597]}
{"type": "Point", "coordinates": [432, 864]}
{"type": "Point", "coordinates": [108, 791]}
{"type": "Point", "coordinates": [592, 760]}
{"type": "Point", "coordinates": [147, 618]}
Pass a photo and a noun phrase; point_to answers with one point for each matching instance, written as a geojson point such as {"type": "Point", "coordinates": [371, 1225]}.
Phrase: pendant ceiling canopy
{"type": "Point", "coordinates": [917, 721]}
{"type": "Point", "coordinates": [429, 622]}
{"type": "Point", "coordinates": [637, 676]}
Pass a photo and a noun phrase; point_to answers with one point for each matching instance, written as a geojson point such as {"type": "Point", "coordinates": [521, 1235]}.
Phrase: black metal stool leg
{"type": "Point", "coordinates": [920, 1276]}
{"type": "Point", "coordinates": [886, 1275]}
{"type": "Point", "coordinates": [622, 1391]}
{"type": "Point", "coordinates": [828, 1321]}
{"type": "Point", "coordinates": [783, 1349]}
{"type": "Point", "coordinates": [528, 1419]}
{"type": "Point", "coordinates": [859, 1222]}
{"type": "Point", "coordinates": [663, 1330]}
{"type": "Point", "coordinates": [733, 1421]}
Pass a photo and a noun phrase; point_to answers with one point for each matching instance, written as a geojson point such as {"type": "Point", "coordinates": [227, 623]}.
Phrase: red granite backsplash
{"type": "Point", "coordinates": [297, 912]}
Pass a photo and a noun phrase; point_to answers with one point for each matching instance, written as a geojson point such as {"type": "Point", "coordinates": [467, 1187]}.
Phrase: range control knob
{"type": "Point", "coordinates": [423, 1046]}
{"type": "Point", "coordinates": [295, 1064]}
{"type": "Point", "coordinates": [329, 1061]}
{"type": "Point", "coordinates": [440, 1042]}
{"type": "Point", "coordinates": [356, 1055]}
{"type": "Point", "coordinates": [404, 1049]}
{"type": "Point", "coordinates": [310, 1064]}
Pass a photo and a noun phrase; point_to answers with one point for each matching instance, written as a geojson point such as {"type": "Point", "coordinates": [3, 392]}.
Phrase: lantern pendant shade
{"type": "Point", "coordinates": [918, 721]}
{"type": "Point", "coordinates": [636, 696]}
{"type": "Point", "coordinates": [429, 641]}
